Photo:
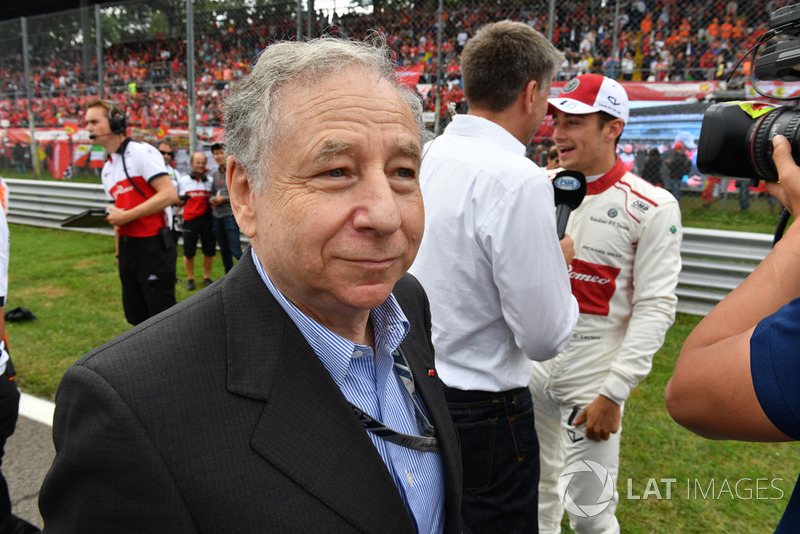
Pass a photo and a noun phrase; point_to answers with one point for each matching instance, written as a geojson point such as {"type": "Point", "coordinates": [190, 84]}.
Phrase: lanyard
{"type": "Point", "coordinates": [425, 443]}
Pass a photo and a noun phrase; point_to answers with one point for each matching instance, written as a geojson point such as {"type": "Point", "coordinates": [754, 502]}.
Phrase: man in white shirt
{"type": "Point", "coordinates": [493, 269]}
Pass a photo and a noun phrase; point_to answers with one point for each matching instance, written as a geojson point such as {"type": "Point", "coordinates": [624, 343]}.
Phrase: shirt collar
{"type": "Point", "coordinates": [474, 126]}
{"type": "Point", "coordinates": [335, 352]}
{"type": "Point", "coordinates": [123, 145]}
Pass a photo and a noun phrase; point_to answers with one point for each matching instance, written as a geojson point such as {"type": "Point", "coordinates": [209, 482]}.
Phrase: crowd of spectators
{"type": "Point", "coordinates": [657, 40]}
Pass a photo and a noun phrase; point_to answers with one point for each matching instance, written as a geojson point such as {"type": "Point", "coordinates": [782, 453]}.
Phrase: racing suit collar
{"type": "Point", "coordinates": [613, 176]}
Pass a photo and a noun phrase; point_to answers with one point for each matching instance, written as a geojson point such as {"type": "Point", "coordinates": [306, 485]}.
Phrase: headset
{"type": "Point", "coordinates": [116, 117]}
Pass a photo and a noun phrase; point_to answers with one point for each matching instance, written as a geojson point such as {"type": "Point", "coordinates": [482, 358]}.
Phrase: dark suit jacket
{"type": "Point", "coordinates": [216, 416]}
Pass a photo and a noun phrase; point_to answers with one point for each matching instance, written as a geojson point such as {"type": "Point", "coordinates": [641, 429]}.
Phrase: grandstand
{"type": "Point", "coordinates": [136, 53]}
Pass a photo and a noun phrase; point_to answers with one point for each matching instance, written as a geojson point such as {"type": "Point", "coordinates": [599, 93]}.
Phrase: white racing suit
{"type": "Point", "coordinates": [627, 236]}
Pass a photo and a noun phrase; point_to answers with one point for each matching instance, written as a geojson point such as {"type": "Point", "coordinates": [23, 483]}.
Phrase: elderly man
{"type": "Point", "coordinates": [297, 394]}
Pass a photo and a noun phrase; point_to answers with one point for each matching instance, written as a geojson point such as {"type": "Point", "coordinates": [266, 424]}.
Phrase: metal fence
{"type": "Point", "coordinates": [170, 62]}
{"type": "Point", "coordinates": [714, 262]}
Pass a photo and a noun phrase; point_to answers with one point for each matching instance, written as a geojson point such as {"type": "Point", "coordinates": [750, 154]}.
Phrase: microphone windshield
{"type": "Point", "coordinates": [569, 188]}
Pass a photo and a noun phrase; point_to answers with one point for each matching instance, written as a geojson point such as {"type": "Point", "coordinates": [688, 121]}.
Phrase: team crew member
{"type": "Point", "coordinates": [627, 236]}
{"type": "Point", "coordinates": [168, 153]}
{"type": "Point", "coordinates": [194, 190]}
{"type": "Point", "coordinates": [136, 178]}
{"type": "Point", "coordinates": [495, 273]}
{"type": "Point", "coordinates": [225, 227]}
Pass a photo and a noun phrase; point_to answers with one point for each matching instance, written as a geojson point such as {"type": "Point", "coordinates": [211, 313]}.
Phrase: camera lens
{"type": "Point", "coordinates": [783, 121]}
{"type": "Point", "coordinates": [736, 139]}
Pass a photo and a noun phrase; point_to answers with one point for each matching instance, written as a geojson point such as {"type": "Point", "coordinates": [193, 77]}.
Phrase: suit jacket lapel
{"type": "Point", "coordinates": [306, 422]}
{"type": "Point", "coordinates": [429, 387]}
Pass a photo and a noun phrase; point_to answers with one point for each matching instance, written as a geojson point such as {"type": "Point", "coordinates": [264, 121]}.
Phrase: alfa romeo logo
{"type": "Point", "coordinates": [585, 472]}
{"type": "Point", "coordinates": [572, 85]}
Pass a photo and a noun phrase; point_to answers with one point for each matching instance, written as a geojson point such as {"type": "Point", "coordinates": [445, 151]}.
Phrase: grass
{"type": "Point", "coordinates": [69, 280]}
{"type": "Point", "coordinates": [761, 217]}
{"type": "Point", "coordinates": [654, 447]}
{"type": "Point", "coordinates": [82, 175]}
{"type": "Point", "coordinates": [657, 455]}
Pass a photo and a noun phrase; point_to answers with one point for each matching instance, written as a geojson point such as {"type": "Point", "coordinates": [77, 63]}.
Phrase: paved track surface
{"type": "Point", "coordinates": [28, 455]}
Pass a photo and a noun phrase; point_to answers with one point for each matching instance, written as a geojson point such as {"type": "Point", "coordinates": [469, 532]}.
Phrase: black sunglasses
{"type": "Point", "coordinates": [167, 153]}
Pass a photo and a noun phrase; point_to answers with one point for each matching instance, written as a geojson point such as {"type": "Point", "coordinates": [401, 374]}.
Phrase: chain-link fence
{"type": "Point", "coordinates": [136, 53]}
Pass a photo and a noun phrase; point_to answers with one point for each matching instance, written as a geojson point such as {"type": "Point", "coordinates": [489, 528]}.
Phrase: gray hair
{"type": "Point", "coordinates": [500, 61]}
{"type": "Point", "coordinates": [253, 111]}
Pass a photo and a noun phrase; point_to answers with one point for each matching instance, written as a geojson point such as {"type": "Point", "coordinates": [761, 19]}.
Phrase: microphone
{"type": "Point", "coordinates": [569, 188]}
{"type": "Point", "coordinates": [95, 136]}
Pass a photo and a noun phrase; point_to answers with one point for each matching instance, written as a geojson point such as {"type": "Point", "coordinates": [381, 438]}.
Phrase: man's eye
{"type": "Point", "coordinates": [406, 173]}
{"type": "Point", "coordinates": [335, 173]}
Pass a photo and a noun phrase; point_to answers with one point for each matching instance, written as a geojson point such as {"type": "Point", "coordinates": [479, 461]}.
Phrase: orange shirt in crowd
{"type": "Point", "coordinates": [739, 30]}
{"type": "Point", "coordinates": [647, 24]}
{"type": "Point", "coordinates": [685, 29]}
{"type": "Point", "coordinates": [726, 30]}
{"type": "Point", "coordinates": [713, 28]}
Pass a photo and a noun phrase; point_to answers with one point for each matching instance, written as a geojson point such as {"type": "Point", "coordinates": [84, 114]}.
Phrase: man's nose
{"type": "Point", "coordinates": [378, 208]}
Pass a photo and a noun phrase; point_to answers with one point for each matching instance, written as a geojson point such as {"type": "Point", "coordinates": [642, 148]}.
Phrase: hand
{"type": "Point", "coordinates": [117, 216]}
{"type": "Point", "coordinates": [567, 248]}
{"type": "Point", "coordinates": [602, 418]}
{"type": "Point", "coordinates": [788, 190]}
{"type": "Point", "coordinates": [215, 201]}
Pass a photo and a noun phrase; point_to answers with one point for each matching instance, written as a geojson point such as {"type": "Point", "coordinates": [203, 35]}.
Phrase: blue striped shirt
{"type": "Point", "coordinates": [368, 380]}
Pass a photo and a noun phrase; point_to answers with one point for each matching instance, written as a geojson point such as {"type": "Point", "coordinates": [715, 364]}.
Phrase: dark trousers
{"type": "Point", "coordinates": [147, 273]}
{"type": "Point", "coordinates": [500, 457]}
{"type": "Point", "coordinates": [227, 232]}
{"type": "Point", "coordinates": [9, 408]}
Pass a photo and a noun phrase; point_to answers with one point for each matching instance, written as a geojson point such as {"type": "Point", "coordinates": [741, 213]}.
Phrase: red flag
{"type": "Point", "coordinates": [162, 131]}
{"type": "Point", "coordinates": [71, 126]}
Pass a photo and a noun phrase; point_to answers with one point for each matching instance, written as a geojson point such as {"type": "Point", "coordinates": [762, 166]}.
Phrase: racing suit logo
{"type": "Point", "coordinates": [593, 285]}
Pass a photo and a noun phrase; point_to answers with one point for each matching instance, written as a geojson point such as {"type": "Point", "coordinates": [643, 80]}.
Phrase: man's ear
{"type": "Point", "coordinates": [613, 129]}
{"type": "Point", "coordinates": [531, 93]}
{"type": "Point", "coordinates": [242, 197]}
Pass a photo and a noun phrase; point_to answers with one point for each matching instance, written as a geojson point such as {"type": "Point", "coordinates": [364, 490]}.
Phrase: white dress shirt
{"type": "Point", "coordinates": [490, 260]}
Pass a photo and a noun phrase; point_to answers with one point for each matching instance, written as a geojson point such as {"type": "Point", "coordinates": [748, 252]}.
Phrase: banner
{"type": "Point", "coordinates": [776, 88]}
{"type": "Point", "coordinates": [659, 91]}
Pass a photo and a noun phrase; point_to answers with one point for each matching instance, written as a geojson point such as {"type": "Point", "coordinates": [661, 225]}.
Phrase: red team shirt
{"type": "Point", "coordinates": [143, 163]}
{"type": "Point", "coordinates": [199, 192]}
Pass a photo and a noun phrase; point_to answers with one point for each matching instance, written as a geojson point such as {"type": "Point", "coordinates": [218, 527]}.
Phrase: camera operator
{"type": "Point", "coordinates": [738, 374]}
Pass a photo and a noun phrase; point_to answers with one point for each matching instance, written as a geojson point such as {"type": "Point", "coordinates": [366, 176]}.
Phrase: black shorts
{"type": "Point", "coordinates": [203, 228]}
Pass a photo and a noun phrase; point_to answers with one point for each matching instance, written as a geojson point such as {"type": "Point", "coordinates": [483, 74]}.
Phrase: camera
{"type": "Point", "coordinates": [736, 137]}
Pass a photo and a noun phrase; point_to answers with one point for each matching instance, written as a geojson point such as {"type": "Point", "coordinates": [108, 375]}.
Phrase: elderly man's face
{"type": "Point", "coordinates": [341, 218]}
